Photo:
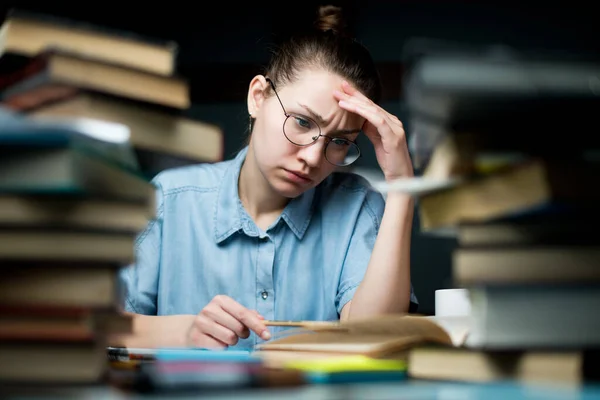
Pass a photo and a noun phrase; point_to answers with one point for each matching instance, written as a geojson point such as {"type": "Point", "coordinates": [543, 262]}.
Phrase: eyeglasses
{"type": "Point", "coordinates": [303, 131]}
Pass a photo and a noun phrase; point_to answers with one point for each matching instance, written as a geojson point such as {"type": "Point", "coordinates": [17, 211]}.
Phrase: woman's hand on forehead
{"type": "Point", "coordinates": [383, 129]}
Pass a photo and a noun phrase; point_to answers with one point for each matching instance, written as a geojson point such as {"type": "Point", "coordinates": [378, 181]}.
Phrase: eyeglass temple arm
{"type": "Point", "coordinates": [275, 91]}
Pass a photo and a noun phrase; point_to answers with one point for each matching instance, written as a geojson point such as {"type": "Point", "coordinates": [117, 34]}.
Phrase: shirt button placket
{"type": "Point", "coordinates": [265, 300]}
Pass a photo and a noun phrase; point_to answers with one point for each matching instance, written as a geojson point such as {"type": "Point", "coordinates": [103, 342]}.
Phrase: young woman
{"type": "Point", "coordinates": [278, 233]}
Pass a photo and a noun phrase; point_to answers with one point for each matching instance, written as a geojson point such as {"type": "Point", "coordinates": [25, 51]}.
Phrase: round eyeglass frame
{"type": "Point", "coordinates": [315, 138]}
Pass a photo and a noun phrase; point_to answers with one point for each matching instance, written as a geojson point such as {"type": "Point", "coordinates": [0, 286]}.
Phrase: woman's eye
{"type": "Point", "coordinates": [339, 142]}
{"type": "Point", "coordinates": [303, 123]}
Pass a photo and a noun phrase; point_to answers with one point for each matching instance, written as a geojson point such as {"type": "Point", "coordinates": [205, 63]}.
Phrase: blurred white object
{"type": "Point", "coordinates": [106, 138]}
{"type": "Point", "coordinates": [415, 186]}
{"type": "Point", "coordinates": [452, 303]}
{"type": "Point", "coordinates": [106, 131]}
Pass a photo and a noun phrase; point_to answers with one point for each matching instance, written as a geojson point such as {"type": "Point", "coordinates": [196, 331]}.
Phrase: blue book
{"type": "Point", "coordinates": [181, 354]}
{"type": "Point", "coordinates": [205, 355]}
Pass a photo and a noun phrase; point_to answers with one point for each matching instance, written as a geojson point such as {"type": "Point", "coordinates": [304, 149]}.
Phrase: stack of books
{"type": "Point", "coordinates": [507, 139]}
{"type": "Point", "coordinates": [70, 209]}
{"type": "Point", "coordinates": [87, 117]}
{"type": "Point", "coordinates": [505, 166]}
{"type": "Point", "coordinates": [55, 68]}
{"type": "Point", "coordinates": [498, 170]}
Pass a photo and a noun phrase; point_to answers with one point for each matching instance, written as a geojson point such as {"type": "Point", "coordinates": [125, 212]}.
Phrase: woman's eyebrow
{"type": "Point", "coordinates": [314, 114]}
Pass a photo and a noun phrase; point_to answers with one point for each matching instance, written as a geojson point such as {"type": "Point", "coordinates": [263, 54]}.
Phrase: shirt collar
{"type": "Point", "coordinates": [231, 217]}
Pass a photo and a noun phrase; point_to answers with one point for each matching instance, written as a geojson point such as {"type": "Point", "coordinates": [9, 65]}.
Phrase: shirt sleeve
{"type": "Point", "coordinates": [360, 248]}
{"type": "Point", "coordinates": [140, 279]}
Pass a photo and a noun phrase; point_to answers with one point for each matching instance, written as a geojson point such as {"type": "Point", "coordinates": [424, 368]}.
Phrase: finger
{"type": "Point", "coordinates": [215, 330]}
{"type": "Point", "coordinates": [368, 129]}
{"type": "Point", "coordinates": [339, 95]}
{"type": "Point", "coordinates": [377, 127]}
{"type": "Point", "coordinates": [370, 114]}
{"type": "Point", "coordinates": [392, 119]}
{"type": "Point", "coordinates": [351, 90]}
{"type": "Point", "coordinates": [197, 338]}
{"type": "Point", "coordinates": [372, 134]}
{"type": "Point", "coordinates": [354, 100]}
{"type": "Point", "coordinates": [375, 115]}
{"type": "Point", "coordinates": [215, 312]}
{"type": "Point", "coordinates": [258, 315]}
{"type": "Point", "coordinates": [396, 120]}
{"type": "Point", "coordinates": [245, 316]}
{"type": "Point", "coordinates": [212, 343]}
{"type": "Point", "coordinates": [364, 102]}
{"type": "Point", "coordinates": [359, 104]}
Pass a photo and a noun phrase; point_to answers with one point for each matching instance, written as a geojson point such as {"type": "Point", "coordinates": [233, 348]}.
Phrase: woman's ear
{"type": "Point", "coordinates": [256, 94]}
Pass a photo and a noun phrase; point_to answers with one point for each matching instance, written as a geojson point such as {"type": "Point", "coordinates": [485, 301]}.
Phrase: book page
{"type": "Point", "coordinates": [358, 334]}
{"type": "Point", "coordinates": [401, 325]}
{"type": "Point", "coordinates": [373, 345]}
{"type": "Point", "coordinates": [458, 328]}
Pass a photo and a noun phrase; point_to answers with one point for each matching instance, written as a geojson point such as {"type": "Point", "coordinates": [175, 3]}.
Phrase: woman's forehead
{"type": "Point", "coordinates": [313, 89]}
{"type": "Point", "coordinates": [317, 81]}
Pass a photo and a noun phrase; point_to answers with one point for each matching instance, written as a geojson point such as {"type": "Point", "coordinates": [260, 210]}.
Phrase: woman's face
{"type": "Point", "coordinates": [290, 169]}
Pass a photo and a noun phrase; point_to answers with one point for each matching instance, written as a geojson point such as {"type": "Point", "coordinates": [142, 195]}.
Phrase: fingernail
{"type": "Point", "coordinates": [265, 335]}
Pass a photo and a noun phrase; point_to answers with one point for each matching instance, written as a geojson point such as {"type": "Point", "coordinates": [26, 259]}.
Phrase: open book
{"type": "Point", "coordinates": [433, 348]}
{"type": "Point", "coordinates": [380, 336]}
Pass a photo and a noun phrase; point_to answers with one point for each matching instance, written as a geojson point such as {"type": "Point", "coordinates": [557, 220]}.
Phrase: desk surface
{"type": "Point", "coordinates": [408, 390]}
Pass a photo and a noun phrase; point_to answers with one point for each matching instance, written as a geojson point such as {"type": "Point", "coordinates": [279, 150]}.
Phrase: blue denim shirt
{"type": "Point", "coordinates": [305, 266]}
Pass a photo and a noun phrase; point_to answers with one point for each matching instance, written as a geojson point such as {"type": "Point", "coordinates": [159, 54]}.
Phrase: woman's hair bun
{"type": "Point", "coordinates": [331, 18]}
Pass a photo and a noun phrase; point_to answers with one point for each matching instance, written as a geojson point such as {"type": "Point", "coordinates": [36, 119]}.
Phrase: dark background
{"type": "Point", "coordinates": [223, 44]}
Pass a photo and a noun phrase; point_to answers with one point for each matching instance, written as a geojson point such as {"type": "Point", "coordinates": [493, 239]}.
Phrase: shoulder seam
{"type": "Point", "coordinates": [151, 223]}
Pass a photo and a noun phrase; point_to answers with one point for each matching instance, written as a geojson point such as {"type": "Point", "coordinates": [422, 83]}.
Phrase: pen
{"type": "Point", "coordinates": [128, 354]}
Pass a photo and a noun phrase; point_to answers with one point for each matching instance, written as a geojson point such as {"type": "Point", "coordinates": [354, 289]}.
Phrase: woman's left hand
{"type": "Point", "coordinates": [383, 129]}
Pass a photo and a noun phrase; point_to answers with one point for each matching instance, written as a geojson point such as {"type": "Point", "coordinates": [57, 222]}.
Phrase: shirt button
{"type": "Point", "coordinates": [264, 295]}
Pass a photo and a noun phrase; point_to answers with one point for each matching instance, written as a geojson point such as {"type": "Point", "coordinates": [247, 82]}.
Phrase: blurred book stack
{"type": "Point", "coordinates": [87, 116]}
{"type": "Point", "coordinates": [55, 68]}
{"type": "Point", "coordinates": [511, 141]}
{"type": "Point", "coordinates": [71, 206]}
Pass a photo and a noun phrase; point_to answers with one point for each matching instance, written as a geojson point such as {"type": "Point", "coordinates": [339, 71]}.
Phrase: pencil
{"type": "Point", "coordinates": [300, 323]}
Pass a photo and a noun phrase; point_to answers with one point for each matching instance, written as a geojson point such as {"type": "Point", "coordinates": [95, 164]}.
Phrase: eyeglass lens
{"type": "Point", "coordinates": [303, 131]}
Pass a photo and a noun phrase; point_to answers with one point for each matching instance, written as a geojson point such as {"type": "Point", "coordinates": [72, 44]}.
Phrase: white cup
{"type": "Point", "coordinates": [452, 303]}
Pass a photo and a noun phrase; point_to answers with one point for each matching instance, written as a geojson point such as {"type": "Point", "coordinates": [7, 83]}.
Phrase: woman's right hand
{"type": "Point", "coordinates": [223, 322]}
